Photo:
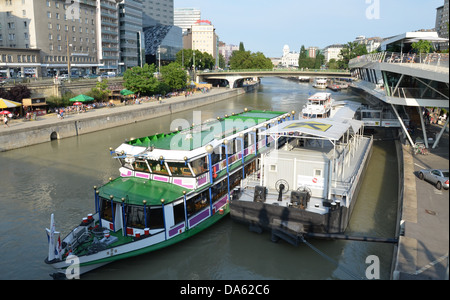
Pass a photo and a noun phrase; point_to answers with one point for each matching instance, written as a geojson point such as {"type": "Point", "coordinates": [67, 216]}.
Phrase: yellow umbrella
{"type": "Point", "coordinates": [8, 103]}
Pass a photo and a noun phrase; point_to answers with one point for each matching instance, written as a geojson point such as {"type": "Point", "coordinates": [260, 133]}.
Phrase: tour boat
{"type": "Point", "coordinates": [320, 83]}
{"type": "Point", "coordinates": [309, 181]}
{"type": "Point", "coordinates": [318, 106]}
{"type": "Point", "coordinates": [171, 186]}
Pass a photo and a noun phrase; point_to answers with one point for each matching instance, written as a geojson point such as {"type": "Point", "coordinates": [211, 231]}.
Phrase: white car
{"type": "Point", "coordinates": [438, 177]}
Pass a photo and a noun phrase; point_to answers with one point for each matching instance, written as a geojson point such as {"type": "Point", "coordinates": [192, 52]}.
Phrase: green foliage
{"type": "Point", "coordinates": [142, 80]}
{"type": "Point", "coordinates": [63, 101]}
{"type": "Point", "coordinates": [306, 62]}
{"type": "Point", "coordinates": [241, 47]}
{"type": "Point", "coordinates": [174, 76]}
{"type": "Point", "coordinates": [203, 60]}
{"type": "Point", "coordinates": [249, 60]}
{"type": "Point", "coordinates": [350, 51]}
{"type": "Point", "coordinates": [422, 46]}
{"type": "Point", "coordinates": [100, 92]}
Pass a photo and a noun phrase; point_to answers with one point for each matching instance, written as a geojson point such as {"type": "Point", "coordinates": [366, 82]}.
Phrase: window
{"type": "Point", "coordinates": [140, 166]}
{"type": "Point", "coordinates": [273, 168]}
{"type": "Point", "coordinates": [197, 203]}
{"type": "Point", "coordinates": [158, 168]}
{"type": "Point", "coordinates": [317, 172]}
{"type": "Point", "coordinates": [199, 166]}
{"type": "Point", "coordinates": [179, 169]}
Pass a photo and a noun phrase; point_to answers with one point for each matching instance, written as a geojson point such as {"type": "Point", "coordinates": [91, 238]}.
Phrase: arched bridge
{"type": "Point", "coordinates": [235, 78]}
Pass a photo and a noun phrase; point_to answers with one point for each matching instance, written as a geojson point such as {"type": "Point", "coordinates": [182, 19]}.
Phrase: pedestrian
{"type": "Point", "coordinates": [62, 114]}
{"type": "Point", "coordinates": [5, 120]}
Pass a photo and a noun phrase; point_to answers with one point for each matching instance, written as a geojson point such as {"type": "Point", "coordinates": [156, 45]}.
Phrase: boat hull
{"type": "Point", "coordinates": [87, 263]}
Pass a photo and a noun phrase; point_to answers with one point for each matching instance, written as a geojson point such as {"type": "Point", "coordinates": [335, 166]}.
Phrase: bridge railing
{"type": "Point", "coordinates": [275, 70]}
{"type": "Point", "coordinates": [424, 61]}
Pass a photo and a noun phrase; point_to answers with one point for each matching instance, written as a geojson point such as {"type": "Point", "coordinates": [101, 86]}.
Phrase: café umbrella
{"type": "Point", "coordinates": [4, 112]}
{"type": "Point", "coordinates": [126, 92]}
{"type": "Point", "coordinates": [8, 103]}
{"type": "Point", "coordinates": [78, 103]}
{"type": "Point", "coordinates": [81, 98]}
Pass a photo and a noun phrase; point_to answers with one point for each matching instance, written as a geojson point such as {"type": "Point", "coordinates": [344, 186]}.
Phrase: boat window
{"type": "Point", "coordinates": [136, 216]}
{"type": "Point", "coordinates": [141, 166]}
{"type": "Point", "coordinates": [155, 219]}
{"type": "Point", "coordinates": [179, 169]}
{"type": "Point", "coordinates": [197, 203]}
{"type": "Point", "coordinates": [178, 213]}
{"type": "Point", "coordinates": [158, 167]}
{"type": "Point", "coordinates": [235, 180]}
{"type": "Point", "coordinates": [199, 166]}
{"type": "Point", "coordinates": [219, 190]}
{"type": "Point", "coordinates": [106, 210]}
{"type": "Point", "coordinates": [215, 158]}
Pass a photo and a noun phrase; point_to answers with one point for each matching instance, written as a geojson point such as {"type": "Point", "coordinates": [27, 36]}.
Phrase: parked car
{"type": "Point", "coordinates": [438, 177]}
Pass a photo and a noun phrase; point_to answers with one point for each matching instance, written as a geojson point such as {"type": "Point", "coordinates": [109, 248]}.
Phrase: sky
{"type": "Point", "coordinates": [267, 25]}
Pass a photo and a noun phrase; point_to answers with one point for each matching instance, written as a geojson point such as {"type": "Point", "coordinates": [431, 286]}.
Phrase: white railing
{"type": "Point", "coordinates": [417, 60]}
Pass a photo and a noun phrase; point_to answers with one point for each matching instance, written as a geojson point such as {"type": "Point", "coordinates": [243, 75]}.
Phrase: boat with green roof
{"type": "Point", "coordinates": [171, 187]}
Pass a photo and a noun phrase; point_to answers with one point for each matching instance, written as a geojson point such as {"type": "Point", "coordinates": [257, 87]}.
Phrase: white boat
{"type": "Point", "coordinates": [318, 106]}
{"type": "Point", "coordinates": [320, 83]}
{"type": "Point", "coordinates": [171, 187]}
{"type": "Point", "coordinates": [309, 182]}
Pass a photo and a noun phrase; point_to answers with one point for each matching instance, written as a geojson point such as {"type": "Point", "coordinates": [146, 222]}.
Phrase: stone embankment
{"type": "Point", "coordinates": [26, 133]}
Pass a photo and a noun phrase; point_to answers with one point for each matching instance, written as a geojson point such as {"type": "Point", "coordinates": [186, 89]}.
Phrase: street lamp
{"type": "Point", "coordinates": [68, 59]}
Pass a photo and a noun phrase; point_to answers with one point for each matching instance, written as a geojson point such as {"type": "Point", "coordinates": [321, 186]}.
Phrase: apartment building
{"type": "Point", "coordinates": [64, 32]}
{"type": "Point", "coordinates": [131, 33]}
{"type": "Point", "coordinates": [186, 17]}
{"type": "Point", "coordinates": [202, 36]}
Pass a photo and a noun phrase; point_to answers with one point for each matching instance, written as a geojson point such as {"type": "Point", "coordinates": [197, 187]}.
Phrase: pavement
{"type": "Point", "coordinates": [423, 245]}
{"type": "Point", "coordinates": [22, 124]}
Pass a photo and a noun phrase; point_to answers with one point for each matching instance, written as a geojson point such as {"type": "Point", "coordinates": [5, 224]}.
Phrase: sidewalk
{"type": "Point", "coordinates": [52, 117]}
{"type": "Point", "coordinates": [423, 248]}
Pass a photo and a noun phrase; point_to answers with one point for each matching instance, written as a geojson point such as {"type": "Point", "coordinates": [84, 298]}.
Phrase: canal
{"type": "Point", "coordinates": [58, 177]}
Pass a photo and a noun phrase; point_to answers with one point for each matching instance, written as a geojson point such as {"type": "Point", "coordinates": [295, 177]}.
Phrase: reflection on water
{"type": "Point", "coordinates": [58, 177]}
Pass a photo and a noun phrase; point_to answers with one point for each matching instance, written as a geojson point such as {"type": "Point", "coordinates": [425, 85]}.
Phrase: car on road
{"type": "Point", "coordinates": [438, 177]}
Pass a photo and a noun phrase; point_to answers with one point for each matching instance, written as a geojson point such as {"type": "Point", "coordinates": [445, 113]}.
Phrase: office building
{"type": "Point", "coordinates": [108, 35]}
{"type": "Point", "coordinates": [131, 31]}
{"type": "Point", "coordinates": [186, 17]}
{"type": "Point", "coordinates": [160, 10]}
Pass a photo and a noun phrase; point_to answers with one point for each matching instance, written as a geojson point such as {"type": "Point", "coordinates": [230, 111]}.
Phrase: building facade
{"type": "Point", "coordinates": [64, 32]}
{"type": "Point", "coordinates": [202, 36]}
{"type": "Point", "coordinates": [333, 52]}
{"type": "Point", "coordinates": [160, 10]}
{"type": "Point", "coordinates": [442, 25]}
{"type": "Point", "coordinates": [108, 35]}
{"type": "Point", "coordinates": [186, 17]}
{"type": "Point", "coordinates": [227, 50]}
{"type": "Point", "coordinates": [289, 59]}
{"type": "Point", "coordinates": [131, 31]}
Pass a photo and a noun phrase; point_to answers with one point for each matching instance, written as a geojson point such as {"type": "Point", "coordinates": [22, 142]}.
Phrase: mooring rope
{"type": "Point", "coordinates": [350, 273]}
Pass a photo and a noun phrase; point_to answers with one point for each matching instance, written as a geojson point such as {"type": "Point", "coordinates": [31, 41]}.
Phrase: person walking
{"type": "Point", "coordinates": [5, 120]}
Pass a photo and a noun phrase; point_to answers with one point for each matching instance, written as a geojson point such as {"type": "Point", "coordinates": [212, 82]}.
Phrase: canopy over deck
{"type": "Point", "coordinates": [329, 129]}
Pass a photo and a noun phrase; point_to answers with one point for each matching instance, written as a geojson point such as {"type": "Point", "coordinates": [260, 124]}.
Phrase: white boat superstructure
{"type": "Point", "coordinates": [308, 183]}
{"type": "Point", "coordinates": [318, 106]}
{"type": "Point", "coordinates": [320, 82]}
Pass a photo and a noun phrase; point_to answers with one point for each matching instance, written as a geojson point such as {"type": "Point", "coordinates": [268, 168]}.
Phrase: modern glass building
{"type": "Point", "coordinates": [130, 26]}
{"type": "Point", "coordinates": [162, 42]}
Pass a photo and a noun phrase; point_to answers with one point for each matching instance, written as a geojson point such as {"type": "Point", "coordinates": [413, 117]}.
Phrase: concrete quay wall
{"type": "Point", "coordinates": [34, 132]}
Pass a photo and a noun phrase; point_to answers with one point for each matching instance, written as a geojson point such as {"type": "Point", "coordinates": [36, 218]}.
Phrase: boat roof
{"type": "Point", "coordinates": [331, 129]}
{"type": "Point", "coordinates": [185, 142]}
{"type": "Point", "coordinates": [320, 96]}
{"type": "Point", "coordinates": [135, 190]}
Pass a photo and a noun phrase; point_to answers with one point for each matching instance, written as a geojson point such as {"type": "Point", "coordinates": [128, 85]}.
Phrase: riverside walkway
{"type": "Point", "coordinates": [423, 248]}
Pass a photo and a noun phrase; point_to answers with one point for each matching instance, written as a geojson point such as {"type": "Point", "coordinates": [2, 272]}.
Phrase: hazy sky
{"type": "Point", "coordinates": [268, 25]}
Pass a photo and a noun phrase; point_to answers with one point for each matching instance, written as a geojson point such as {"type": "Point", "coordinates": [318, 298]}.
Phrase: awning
{"type": "Point", "coordinates": [321, 128]}
{"type": "Point", "coordinates": [8, 103]}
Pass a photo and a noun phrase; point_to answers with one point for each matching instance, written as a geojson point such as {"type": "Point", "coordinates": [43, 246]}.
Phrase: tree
{"type": "Point", "coordinates": [203, 60]}
{"type": "Point", "coordinates": [18, 93]}
{"type": "Point", "coordinates": [142, 80]}
{"type": "Point", "coordinates": [422, 46]}
{"type": "Point", "coordinates": [249, 60]}
{"type": "Point", "coordinates": [241, 46]}
{"type": "Point", "coordinates": [305, 62]}
{"type": "Point", "coordinates": [350, 51]}
{"type": "Point", "coordinates": [174, 76]}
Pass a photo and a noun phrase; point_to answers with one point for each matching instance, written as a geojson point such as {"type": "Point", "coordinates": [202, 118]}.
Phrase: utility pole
{"type": "Point", "coordinates": [68, 59]}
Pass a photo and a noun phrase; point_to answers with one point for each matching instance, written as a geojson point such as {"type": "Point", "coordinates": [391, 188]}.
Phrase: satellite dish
{"type": "Point", "coordinates": [282, 186]}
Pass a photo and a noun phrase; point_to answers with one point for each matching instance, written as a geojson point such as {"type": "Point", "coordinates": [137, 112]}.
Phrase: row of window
{"type": "Point", "coordinates": [56, 58]}
{"type": "Point", "coordinates": [152, 216]}
{"type": "Point", "coordinates": [20, 58]}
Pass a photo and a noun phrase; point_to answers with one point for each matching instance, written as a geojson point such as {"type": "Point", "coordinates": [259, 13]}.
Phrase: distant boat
{"type": "Point", "coordinates": [318, 106]}
{"type": "Point", "coordinates": [320, 83]}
